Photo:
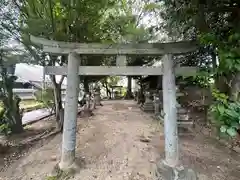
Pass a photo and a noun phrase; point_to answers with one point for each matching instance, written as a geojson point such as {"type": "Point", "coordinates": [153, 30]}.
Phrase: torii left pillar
{"type": "Point", "coordinates": [70, 114]}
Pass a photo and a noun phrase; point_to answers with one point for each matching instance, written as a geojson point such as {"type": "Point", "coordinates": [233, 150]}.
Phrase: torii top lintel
{"type": "Point", "coordinates": [57, 47]}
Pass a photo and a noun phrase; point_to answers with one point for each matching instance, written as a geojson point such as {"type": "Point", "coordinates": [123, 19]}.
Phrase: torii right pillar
{"type": "Point", "coordinates": [170, 167]}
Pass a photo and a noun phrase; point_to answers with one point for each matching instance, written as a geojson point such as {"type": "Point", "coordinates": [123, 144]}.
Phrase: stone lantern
{"type": "Point", "coordinates": [97, 97]}
{"type": "Point", "coordinates": [148, 106]}
{"type": "Point", "coordinates": [156, 103]}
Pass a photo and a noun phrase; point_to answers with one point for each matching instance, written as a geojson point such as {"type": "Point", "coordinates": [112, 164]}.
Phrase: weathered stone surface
{"type": "Point", "coordinates": [165, 172]}
{"type": "Point", "coordinates": [182, 111]}
{"type": "Point", "coordinates": [97, 98]}
{"type": "Point", "coordinates": [148, 106]}
{"type": "Point", "coordinates": [157, 104]}
{"type": "Point", "coordinates": [183, 117]}
{"type": "Point", "coordinates": [113, 49]}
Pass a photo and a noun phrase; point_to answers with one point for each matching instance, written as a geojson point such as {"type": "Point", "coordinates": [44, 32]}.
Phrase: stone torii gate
{"type": "Point", "coordinates": [73, 70]}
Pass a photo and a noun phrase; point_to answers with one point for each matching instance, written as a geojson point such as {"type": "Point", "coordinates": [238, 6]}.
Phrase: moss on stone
{"type": "Point", "coordinates": [58, 174]}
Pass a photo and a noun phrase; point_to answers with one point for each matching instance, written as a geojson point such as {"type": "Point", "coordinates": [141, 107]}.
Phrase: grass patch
{"type": "Point", "coordinates": [61, 175]}
{"type": "Point", "coordinates": [28, 105]}
{"type": "Point", "coordinates": [51, 178]}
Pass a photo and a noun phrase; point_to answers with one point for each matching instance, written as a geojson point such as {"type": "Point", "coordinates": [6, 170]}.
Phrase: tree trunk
{"type": "Point", "coordinates": [129, 94]}
{"type": "Point", "coordinates": [235, 87]}
{"type": "Point", "coordinates": [109, 94]}
{"type": "Point", "coordinates": [129, 87]}
{"type": "Point", "coordinates": [59, 111]}
{"type": "Point", "coordinates": [142, 96]}
{"type": "Point", "coordinates": [220, 80]}
{"type": "Point", "coordinates": [86, 85]}
{"type": "Point", "coordinates": [107, 89]}
{"type": "Point", "coordinates": [17, 127]}
{"type": "Point", "coordinates": [201, 22]}
{"type": "Point", "coordinates": [13, 113]}
{"type": "Point", "coordinates": [58, 105]}
{"type": "Point", "coordinates": [217, 79]}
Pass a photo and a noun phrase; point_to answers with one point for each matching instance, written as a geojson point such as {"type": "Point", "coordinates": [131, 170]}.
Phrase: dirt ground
{"type": "Point", "coordinates": [122, 143]}
{"type": "Point", "coordinates": [18, 145]}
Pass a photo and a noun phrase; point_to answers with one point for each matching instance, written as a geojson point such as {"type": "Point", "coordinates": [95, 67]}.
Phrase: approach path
{"type": "Point", "coordinates": [122, 143]}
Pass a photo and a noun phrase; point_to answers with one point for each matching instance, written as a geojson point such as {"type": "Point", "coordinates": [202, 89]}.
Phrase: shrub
{"type": "Point", "coordinates": [226, 114]}
{"type": "Point", "coordinates": [45, 96]}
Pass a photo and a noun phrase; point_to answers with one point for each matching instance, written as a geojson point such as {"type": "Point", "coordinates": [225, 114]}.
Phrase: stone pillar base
{"type": "Point", "coordinates": [166, 172]}
{"type": "Point", "coordinates": [66, 173]}
{"type": "Point", "coordinates": [67, 159]}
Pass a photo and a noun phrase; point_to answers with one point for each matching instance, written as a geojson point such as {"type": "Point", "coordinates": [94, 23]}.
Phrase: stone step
{"type": "Point", "coordinates": [179, 122]}
{"type": "Point", "coordinates": [148, 107]}
{"type": "Point", "coordinates": [183, 117]}
{"type": "Point", "coordinates": [182, 110]}
{"type": "Point", "coordinates": [149, 104]}
{"type": "Point", "coordinates": [179, 94]}
{"type": "Point", "coordinates": [185, 122]}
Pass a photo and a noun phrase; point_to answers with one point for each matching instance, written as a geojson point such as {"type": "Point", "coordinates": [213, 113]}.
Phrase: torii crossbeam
{"type": "Point", "coordinates": [73, 71]}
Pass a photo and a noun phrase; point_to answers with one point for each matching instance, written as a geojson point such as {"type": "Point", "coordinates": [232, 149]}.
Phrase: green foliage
{"type": "Point", "coordinates": [207, 38]}
{"type": "Point", "coordinates": [124, 91]}
{"type": "Point", "coordinates": [230, 61]}
{"type": "Point", "coordinates": [10, 116]}
{"type": "Point", "coordinates": [201, 79]}
{"type": "Point", "coordinates": [227, 70]}
{"type": "Point", "coordinates": [84, 21]}
{"type": "Point", "coordinates": [60, 174]}
{"type": "Point", "coordinates": [152, 6]}
{"type": "Point", "coordinates": [45, 96]}
{"type": "Point", "coordinates": [113, 80]}
{"type": "Point", "coordinates": [220, 97]}
{"type": "Point", "coordinates": [4, 128]}
{"type": "Point", "coordinates": [228, 51]}
{"type": "Point", "coordinates": [215, 24]}
{"type": "Point", "coordinates": [226, 114]}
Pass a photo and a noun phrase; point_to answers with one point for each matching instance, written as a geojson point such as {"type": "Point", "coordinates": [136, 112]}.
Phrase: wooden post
{"type": "Point", "coordinates": [170, 112]}
{"type": "Point", "coordinates": [70, 115]}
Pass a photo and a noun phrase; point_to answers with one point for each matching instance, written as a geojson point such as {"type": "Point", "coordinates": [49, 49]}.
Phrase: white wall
{"type": "Point", "coordinates": [124, 83]}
